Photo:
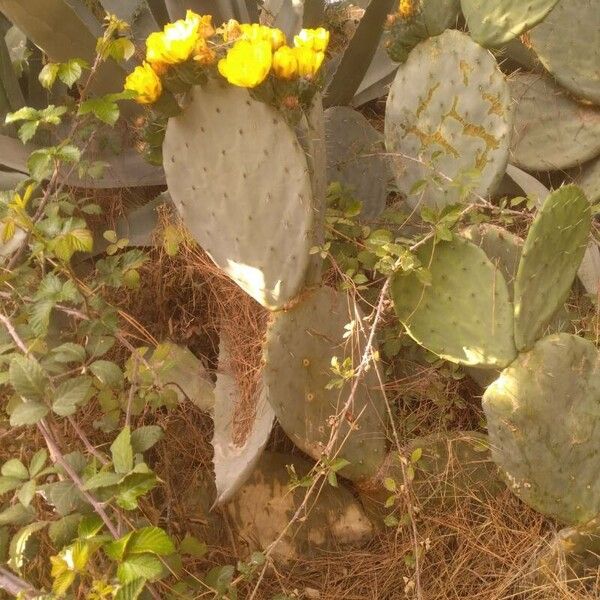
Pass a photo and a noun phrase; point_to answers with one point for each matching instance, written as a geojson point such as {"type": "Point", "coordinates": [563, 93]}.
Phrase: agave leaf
{"type": "Point", "coordinates": [359, 54]}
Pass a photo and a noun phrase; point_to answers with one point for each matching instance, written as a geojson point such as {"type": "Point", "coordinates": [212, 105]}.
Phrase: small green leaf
{"type": "Point", "coordinates": [71, 71]}
{"type": "Point", "coordinates": [108, 373]}
{"type": "Point", "coordinates": [18, 544]}
{"type": "Point", "coordinates": [15, 468]}
{"type": "Point", "coordinates": [28, 413]}
{"type": "Point", "coordinates": [28, 130]}
{"type": "Point", "coordinates": [27, 378]}
{"type": "Point", "coordinates": [220, 578]}
{"type": "Point", "coordinates": [64, 531]}
{"type": "Point", "coordinates": [390, 521]}
{"type": "Point", "coordinates": [122, 452]}
{"type": "Point", "coordinates": [16, 515]}
{"type": "Point", "coordinates": [104, 109]}
{"type": "Point", "coordinates": [102, 480]}
{"type": "Point", "coordinates": [152, 540]}
{"type": "Point", "coordinates": [390, 485]}
{"type": "Point", "coordinates": [90, 526]}
{"type": "Point", "coordinates": [38, 460]}
{"type": "Point", "coordinates": [131, 590]}
{"type": "Point", "coordinates": [27, 492]}
{"type": "Point", "coordinates": [48, 75]}
{"type": "Point", "coordinates": [68, 353]}
{"type": "Point", "coordinates": [416, 454]}
{"type": "Point", "coordinates": [69, 153]}
{"type": "Point", "coordinates": [144, 566]}
{"type": "Point", "coordinates": [70, 394]}
{"type": "Point", "coordinates": [40, 164]}
{"type": "Point", "coordinates": [144, 438]}
{"type": "Point", "coordinates": [8, 484]}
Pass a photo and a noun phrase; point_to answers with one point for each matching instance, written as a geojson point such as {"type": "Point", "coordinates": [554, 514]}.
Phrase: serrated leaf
{"type": "Point", "coordinates": [28, 413]}
{"type": "Point", "coordinates": [122, 452]}
{"type": "Point", "coordinates": [144, 566]}
{"type": "Point", "coordinates": [150, 539]}
{"type": "Point", "coordinates": [64, 531]}
{"type": "Point", "coordinates": [8, 484]}
{"type": "Point", "coordinates": [70, 72]}
{"type": "Point", "coordinates": [70, 394]}
{"type": "Point", "coordinates": [27, 492]}
{"type": "Point", "coordinates": [38, 460]}
{"type": "Point", "coordinates": [90, 526]}
{"type": "Point", "coordinates": [40, 164]}
{"type": "Point", "coordinates": [27, 378]}
{"type": "Point", "coordinates": [48, 74]}
{"type": "Point", "coordinates": [133, 487]}
{"type": "Point", "coordinates": [102, 480]}
{"type": "Point", "coordinates": [18, 544]}
{"type": "Point", "coordinates": [69, 153]}
{"type": "Point", "coordinates": [16, 515]}
{"type": "Point", "coordinates": [63, 496]}
{"type": "Point", "coordinates": [144, 438]}
{"type": "Point", "coordinates": [108, 373]}
{"type": "Point", "coordinates": [15, 468]}
{"type": "Point", "coordinates": [104, 109]}
{"type": "Point", "coordinates": [68, 353]}
{"type": "Point", "coordinates": [131, 590]}
{"type": "Point", "coordinates": [28, 130]}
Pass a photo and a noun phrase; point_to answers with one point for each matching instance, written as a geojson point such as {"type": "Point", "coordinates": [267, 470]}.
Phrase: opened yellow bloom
{"type": "Point", "coordinates": [315, 39]}
{"type": "Point", "coordinates": [247, 63]}
{"type": "Point", "coordinates": [145, 83]}
{"type": "Point", "coordinates": [255, 32]}
{"type": "Point", "coordinates": [407, 8]}
{"type": "Point", "coordinates": [285, 63]}
{"type": "Point", "coordinates": [176, 43]}
{"type": "Point", "coordinates": [309, 61]}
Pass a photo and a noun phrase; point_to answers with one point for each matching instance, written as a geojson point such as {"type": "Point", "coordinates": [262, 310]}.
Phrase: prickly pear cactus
{"type": "Point", "coordinates": [589, 180]}
{"type": "Point", "coordinates": [300, 345]}
{"type": "Point", "coordinates": [257, 220]}
{"type": "Point", "coordinates": [264, 506]}
{"type": "Point", "coordinates": [356, 158]}
{"type": "Point", "coordinates": [543, 414]}
{"type": "Point", "coordinates": [448, 121]}
{"type": "Point", "coordinates": [552, 253]}
{"type": "Point", "coordinates": [463, 282]}
{"type": "Point", "coordinates": [552, 131]}
{"type": "Point", "coordinates": [417, 21]}
{"type": "Point", "coordinates": [451, 468]}
{"type": "Point", "coordinates": [236, 449]}
{"type": "Point", "coordinates": [568, 45]}
{"type": "Point", "coordinates": [496, 22]}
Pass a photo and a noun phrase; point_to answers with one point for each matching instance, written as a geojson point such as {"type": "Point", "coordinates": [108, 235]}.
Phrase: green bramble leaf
{"type": "Point", "coordinates": [144, 438]}
{"type": "Point", "coordinates": [145, 566]}
{"type": "Point", "coordinates": [122, 452]}
{"type": "Point", "coordinates": [108, 372]}
{"type": "Point", "coordinates": [71, 394]}
{"type": "Point", "coordinates": [28, 413]}
{"type": "Point", "coordinates": [70, 72]}
{"type": "Point", "coordinates": [27, 492]}
{"type": "Point", "coordinates": [16, 469]}
{"type": "Point", "coordinates": [48, 75]}
{"type": "Point", "coordinates": [152, 540]}
{"type": "Point", "coordinates": [18, 544]}
{"type": "Point", "coordinates": [105, 109]}
{"type": "Point", "coordinates": [27, 378]}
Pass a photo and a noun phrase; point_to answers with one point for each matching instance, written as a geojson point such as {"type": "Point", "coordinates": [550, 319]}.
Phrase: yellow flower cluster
{"type": "Point", "coordinates": [258, 49]}
{"type": "Point", "coordinates": [255, 50]}
{"type": "Point", "coordinates": [177, 43]}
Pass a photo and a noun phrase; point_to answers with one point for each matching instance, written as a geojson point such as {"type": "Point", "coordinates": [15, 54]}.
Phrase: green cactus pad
{"type": "Point", "coordinates": [356, 158]}
{"type": "Point", "coordinates": [448, 121]}
{"type": "Point", "coordinates": [452, 468]}
{"type": "Point", "coordinates": [568, 44]}
{"type": "Point", "coordinates": [543, 414]}
{"type": "Point", "coordinates": [265, 505]}
{"type": "Point", "coordinates": [429, 18]}
{"type": "Point", "coordinates": [552, 253]}
{"type": "Point", "coordinates": [551, 130]}
{"type": "Point", "coordinates": [495, 22]}
{"type": "Point", "coordinates": [465, 315]}
{"type": "Point", "coordinates": [301, 343]}
{"type": "Point", "coordinates": [240, 181]}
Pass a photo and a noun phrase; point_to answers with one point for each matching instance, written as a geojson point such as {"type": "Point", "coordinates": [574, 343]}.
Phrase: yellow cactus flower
{"type": "Point", "coordinates": [309, 61]}
{"type": "Point", "coordinates": [255, 32]}
{"type": "Point", "coordinates": [407, 8]}
{"type": "Point", "coordinates": [230, 31]}
{"type": "Point", "coordinates": [176, 43]}
{"type": "Point", "coordinates": [145, 83]}
{"type": "Point", "coordinates": [247, 63]}
{"type": "Point", "coordinates": [285, 63]}
{"type": "Point", "coordinates": [315, 39]}
{"type": "Point", "coordinates": [204, 54]}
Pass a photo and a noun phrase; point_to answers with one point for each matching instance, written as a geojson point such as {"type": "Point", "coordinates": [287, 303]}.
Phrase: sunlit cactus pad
{"type": "Point", "coordinates": [552, 130]}
{"type": "Point", "coordinates": [240, 181]}
{"type": "Point", "coordinates": [495, 22]}
{"type": "Point", "coordinates": [301, 343]}
{"type": "Point", "coordinates": [265, 505]}
{"type": "Point", "coordinates": [552, 253]}
{"type": "Point", "coordinates": [543, 414]}
{"type": "Point", "coordinates": [465, 314]}
{"type": "Point", "coordinates": [568, 44]}
{"type": "Point", "coordinates": [356, 158]}
{"type": "Point", "coordinates": [448, 121]}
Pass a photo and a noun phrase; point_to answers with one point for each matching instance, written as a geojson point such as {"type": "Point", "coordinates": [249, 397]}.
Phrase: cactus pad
{"type": "Point", "coordinates": [589, 180]}
{"type": "Point", "coordinates": [356, 158]}
{"type": "Point", "coordinates": [448, 121]}
{"type": "Point", "coordinates": [256, 220]}
{"type": "Point", "coordinates": [236, 450]}
{"type": "Point", "coordinates": [552, 131]}
{"type": "Point", "coordinates": [543, 415]}
{"type": "Point", "coordinates": [553, 251]}
{"type": "Point", "coordinates": [301, 343]}
{"type": "Point", "coordinates": [265, 505]}
{"type": "Point", "coordinates": [568, 44]}
{"type": "Point", "coordinates": [496, 22]}
{"type": "Point", "coordinates": [463, 282]}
